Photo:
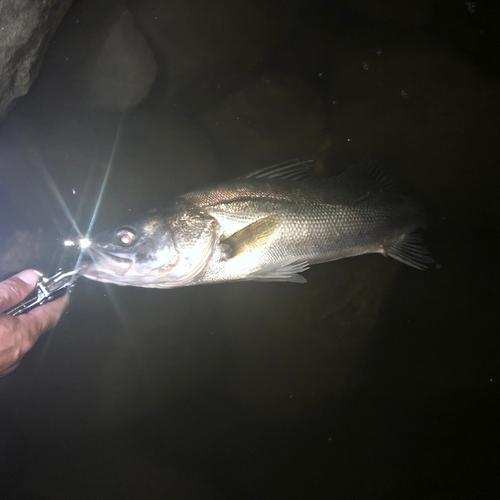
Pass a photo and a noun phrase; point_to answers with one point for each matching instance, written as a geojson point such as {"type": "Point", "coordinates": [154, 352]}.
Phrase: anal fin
{"type": "Point", "coordinates": [281, 272]}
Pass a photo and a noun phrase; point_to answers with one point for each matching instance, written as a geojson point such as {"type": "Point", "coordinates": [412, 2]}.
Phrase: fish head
{"type": "Point", "coordinates": [163, 248]}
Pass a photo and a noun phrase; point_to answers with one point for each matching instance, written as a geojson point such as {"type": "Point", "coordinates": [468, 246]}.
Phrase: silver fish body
{"type": "Point", "coordinates": [269, 226]}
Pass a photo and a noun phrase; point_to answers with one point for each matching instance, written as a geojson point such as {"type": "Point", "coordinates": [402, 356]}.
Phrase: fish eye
{"type": "Point", "coordinates": [126, 236]}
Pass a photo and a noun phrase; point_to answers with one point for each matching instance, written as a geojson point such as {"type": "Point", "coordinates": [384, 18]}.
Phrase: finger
{"type": "Point", "coordinates": [43, 318]}
{"type": "Point", "coordinates": [16, 288]}
{"type": "Point", "coordinates": [55, 308]}
{"type": "Point", "coordinates": [18, 334]}
{"type": "Point", "coordinates": [10, 369]}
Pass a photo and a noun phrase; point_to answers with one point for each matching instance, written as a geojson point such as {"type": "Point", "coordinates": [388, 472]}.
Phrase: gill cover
{"type": "Point", "coordinates": [194, 235]}
{"type": "Point", "coordinates": [162, 248]}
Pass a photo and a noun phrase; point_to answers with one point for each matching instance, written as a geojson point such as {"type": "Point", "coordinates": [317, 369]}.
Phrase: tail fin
{"type": "Point", "coordinates": [410, 250]}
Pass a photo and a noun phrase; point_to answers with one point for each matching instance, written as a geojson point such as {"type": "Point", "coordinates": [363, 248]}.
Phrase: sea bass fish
{"type": "Point", "coordinates": [268, 226]}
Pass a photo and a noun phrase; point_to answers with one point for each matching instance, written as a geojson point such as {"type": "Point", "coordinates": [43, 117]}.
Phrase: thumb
{"type": "Point", "coordinates": [16, 288]}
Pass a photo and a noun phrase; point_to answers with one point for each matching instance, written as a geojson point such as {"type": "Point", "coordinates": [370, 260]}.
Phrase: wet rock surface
{"type": "Point", "coordinates": [26, 28]}
{"type": "Point", "coordinates": [98, 60]}
{"type": "Point", "coordinates": [124, 69]}
{"type": "Point", "coordinates": [209, 49]}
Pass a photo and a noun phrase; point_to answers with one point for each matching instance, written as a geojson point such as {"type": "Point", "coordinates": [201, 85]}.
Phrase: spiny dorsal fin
{"type": "Point", "coordinates": [251, 237]}
{"type": "Point", "coordinates": [292, 170]}
{"type": "Point", "coordinates": [366, 175]}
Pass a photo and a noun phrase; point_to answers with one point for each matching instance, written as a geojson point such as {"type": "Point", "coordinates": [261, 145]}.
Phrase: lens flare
{"type": "Point", "coordinates": [106, 174]}
{"type": "Point", "coordinates": [84, 242]}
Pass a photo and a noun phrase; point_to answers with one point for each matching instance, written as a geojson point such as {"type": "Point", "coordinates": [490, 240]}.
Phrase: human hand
{"type": "Point", "coordinates": [18, 334]}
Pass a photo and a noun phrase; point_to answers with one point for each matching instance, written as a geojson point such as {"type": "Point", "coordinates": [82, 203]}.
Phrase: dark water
{"type": "Point", "coordinates": [373, 380]}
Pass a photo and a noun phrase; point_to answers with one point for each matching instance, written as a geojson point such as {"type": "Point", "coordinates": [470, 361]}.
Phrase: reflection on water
{"type": "Point", "coordinates": [372, 377]}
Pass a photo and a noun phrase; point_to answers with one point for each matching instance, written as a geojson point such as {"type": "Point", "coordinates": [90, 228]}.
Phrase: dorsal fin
{"type": "Point", "coordinates": [366, 175]}
{"type": "Point", "coordinates": [291, 170]}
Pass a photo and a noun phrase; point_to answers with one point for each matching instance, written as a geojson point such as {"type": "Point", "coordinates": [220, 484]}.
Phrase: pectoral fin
{"type": "Point", "coordinates": [251, 237]}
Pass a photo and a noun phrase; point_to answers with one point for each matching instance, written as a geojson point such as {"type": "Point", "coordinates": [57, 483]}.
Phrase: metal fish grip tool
{"type": "Point", "coordinates": [47, 289]}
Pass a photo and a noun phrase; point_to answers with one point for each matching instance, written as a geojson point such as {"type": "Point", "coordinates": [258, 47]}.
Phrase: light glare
{"type": "Point", "coordinates": [84, 242]}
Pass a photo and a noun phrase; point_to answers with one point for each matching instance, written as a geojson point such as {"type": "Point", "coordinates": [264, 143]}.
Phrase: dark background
{"type": "Point", "coordinates": [373, 380]}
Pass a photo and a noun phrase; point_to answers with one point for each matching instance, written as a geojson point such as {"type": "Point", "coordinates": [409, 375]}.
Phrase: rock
{"type": "Point", "coordinates": [271, 119]}
{"type": "Point", "coordinates": [124, 69]}
{"type": "Point", "coordinates": [26, 28]}
{"type": "Point", "coordinates": [99, 59]}
{"type": "Point", "coordinates": [207, 49]}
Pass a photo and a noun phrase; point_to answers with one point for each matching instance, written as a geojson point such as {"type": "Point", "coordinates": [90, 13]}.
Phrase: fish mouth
{"type": "Point", "coordinates": [105, 264]}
